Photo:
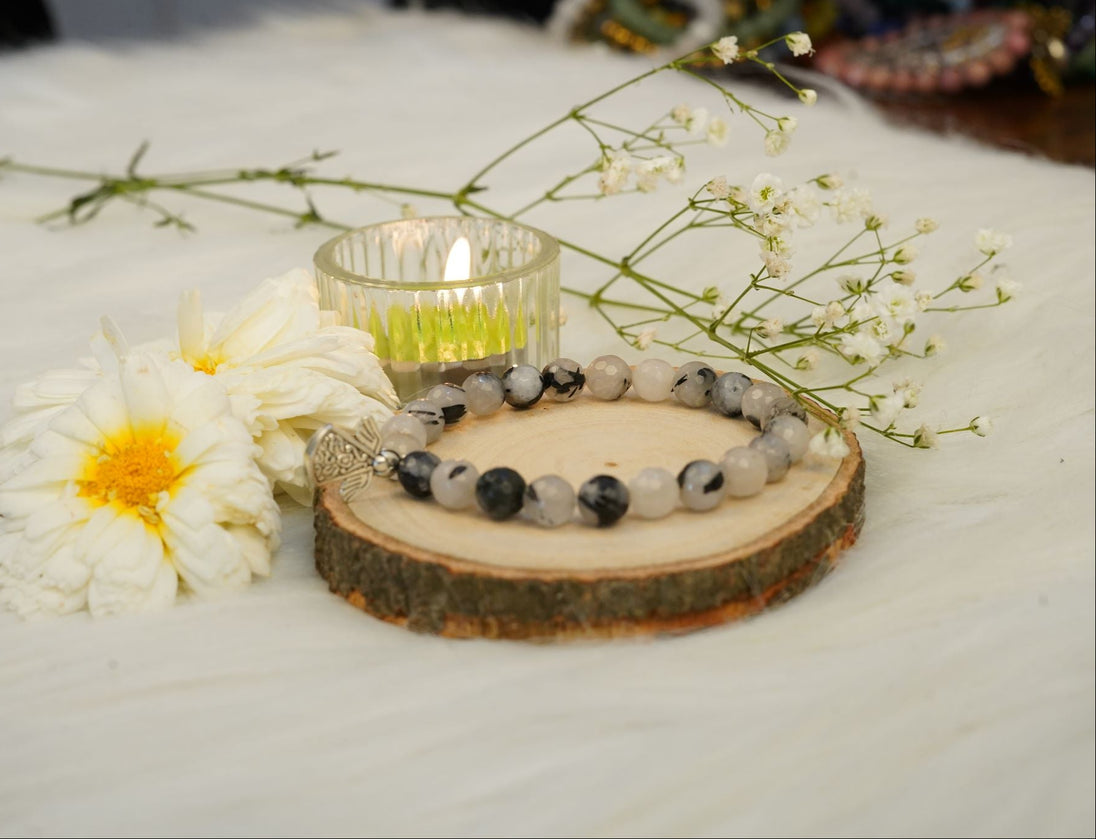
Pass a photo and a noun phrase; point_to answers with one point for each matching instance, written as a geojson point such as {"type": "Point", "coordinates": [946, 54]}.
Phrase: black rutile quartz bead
{"type": "Point", "coordinates": [414, 472]}
{"type": "Point", "coordinates": [500, 492]}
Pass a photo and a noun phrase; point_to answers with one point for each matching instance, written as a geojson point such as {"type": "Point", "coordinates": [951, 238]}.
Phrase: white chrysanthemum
{"type": "Point", "coordinates": [287, 366]}
{"type": "Point", "coordinates": [726, 49]}
{"type": "Point", "coordinates": [145, 480]}
{"type": "Point", "coordinates": [799, 43]}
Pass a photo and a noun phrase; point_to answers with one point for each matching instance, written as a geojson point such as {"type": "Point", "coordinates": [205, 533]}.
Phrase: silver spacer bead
{"type": "Point", "coordinates": [385, 463]}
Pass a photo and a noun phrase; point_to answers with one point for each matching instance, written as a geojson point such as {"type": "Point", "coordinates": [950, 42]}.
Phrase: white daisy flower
{"type": "Point", "coordinates": [145, 481]}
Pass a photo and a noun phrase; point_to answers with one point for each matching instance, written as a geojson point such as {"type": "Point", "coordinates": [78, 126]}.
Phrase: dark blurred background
{"type": "Point", "coordinates": [1014, 74]}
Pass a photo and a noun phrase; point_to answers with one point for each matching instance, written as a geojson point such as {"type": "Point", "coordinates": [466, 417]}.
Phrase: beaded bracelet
{"type": "Point", "coordinates": [397, 450]}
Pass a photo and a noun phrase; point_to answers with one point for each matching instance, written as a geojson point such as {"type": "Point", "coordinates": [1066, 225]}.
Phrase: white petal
{"type": "Point", "coordinates": [254, 547]}
{"type": "Point", "coordinates": [191, 326]}
{"type": "Point", "coordinates": [146, 394]}
{"type": "Point", "coordinates": [206, 557]}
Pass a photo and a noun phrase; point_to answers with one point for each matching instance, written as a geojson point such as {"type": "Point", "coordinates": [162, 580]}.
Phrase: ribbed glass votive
{"type": "Point", "coordinates": [388, 279]}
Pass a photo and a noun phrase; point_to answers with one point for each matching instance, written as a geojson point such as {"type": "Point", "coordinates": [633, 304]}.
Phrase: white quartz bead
{"type": "Point", "coordinates": [700, 485]}
{"type": "Point", "coordinates": [403, 425]}
{"type": "Point", "coordinates": [653, 491]}
{"type": "Point", "coordinates": [727, 393]}
{"type": "Point", "coordinates": [777, 456]}
{"type": "Point", "coordinates": [453, 484]}
{"type": "Point", "coordinates": [608, 377]}
{"type": "Point", "coordinates": [451, 399]}
{"type": "Point", "coordinates": [484, 392]}
{"type": "Point", "coordinates": [401, 444]}
{"type": "Point", "coordinates": [745, 471]}
{"type": "Point", "coordinates": [430, 415]}
{"type": "Point", "coordinates": [792, 431]}
{"type": "Point", "coordinates": [693, 385]}
{"type": "Point", "coordinates": [653, 380]}
{"type": "Point", "coordinates": [757, 398]}
{"type": "Point", "coordinates": [549, 501]}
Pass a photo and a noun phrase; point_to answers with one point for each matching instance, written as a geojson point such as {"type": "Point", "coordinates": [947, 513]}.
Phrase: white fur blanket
{"type": "Point", "coordinates": [940, 681]}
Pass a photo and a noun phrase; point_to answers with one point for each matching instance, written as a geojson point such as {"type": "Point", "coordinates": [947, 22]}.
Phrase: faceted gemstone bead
{"type": "Point", "coordinates": [402, 425]}
{"type": "Point", "coordinates": [778, 459]}
{"type": "Point", "coordinates": [522, 386]}
{"type": "Point", "coordinates": [608, 377]}
{"type": "Point", "coordinates": [453, 484]}
{"type": "Point", "coordinates": [700, 485]}
{"type": "Point", "coordinates": [562, 379]}
{"type": "Point", "coordinates": [745, 471]}
{"type": "Point", "coordinates": [500, 492]}
{"type": "Point", "coordinates": [484, 393]}
{"type": "Point", "coordinates": [549, 501]}
{"type": "Point", "coordinates": [693, 385]}
{"type": "Point", "coordinates": [429, 414]}
{"type": "Point", "coordinates": [451, 399]}
{"type": "Point", "coordinates": [602, 500]}
{"type": "Point", "coordinates": [653, 379]}
{"type": "Point", "coordinates": [757, 397]}
{"type": "Point", "coordinates": [792, 431]}
{"type": "Point", "coordinates": [785, 405]}
{"type": "Point", "coordinates": [414, 472]}
{"type": "Point", "coordinates": [403, 444]}
{"type": "Point", "coordinates": [727, 393]}
{"type": "Point", "coordinates": [653, 492]}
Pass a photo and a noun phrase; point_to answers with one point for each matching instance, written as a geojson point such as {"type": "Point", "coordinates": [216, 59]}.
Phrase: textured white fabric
{"type": "Point", "coordinates": [940, 681]}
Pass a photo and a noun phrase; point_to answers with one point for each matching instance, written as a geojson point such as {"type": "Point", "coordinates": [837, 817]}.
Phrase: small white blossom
{"type": "Point", "coordinates": [850, 417]}
{"type": "Point", "coordinates": [778, 265]}
{"type": "Point", "coordinates": [862, 311]}
{"type": "Point", "coordinates": [804, 204]}
{"type": "Point", "coordinates": [776, 143]}
{"type": "Point", "coordinates": [904, 276]}
{"type": "Point", "coordinates": [852, 284]}
{"type": "Point", "coordinates": [982, 426]}
{"type": "Point", "coordinates": [808, 96]}
{"type": "Point", "coordinates": [887, 331]}
{"type": "Point", "coordinates": [726, 49]}
{"type": "Point", "coordinates": [787, 124]}
{"type": "Point", "coordinates": [829, 443]}
{"type": "Point", "coordinates": [807, 360]}
{"type": "Point", "coordinates": [850, 204]}
{"type": "Point", "coordinates": [681, 113]}
{"type": "Point", "coordinates": [829, 181]}
{"type": "Point", "coordinates": [885, 409]}
{"type": "Point", "coordinates": [1006, 289]}
{"type": "Point", "coordinates": [990, 242]}
{"type": "Point", "coordinates": [771, 328]}
{"type": "Point", "coordinates": [718, 187]}
{"type": "Point", "coordinates": [923, 299]}
{"type": "Point", "coordinates": [924, 438]}
{"type": "Point", "coordinates": [926, 225]}
{"type": "Point", "coordinates": [615, 169]}
{"type": "Point", "coordinates": [765, 191]}
{"type": "Point", "coordinates": [826, 317]}
{"type": "Point", "coordinates": [909, 390]}
{"type": "Point", "coordinates": [905, 255]}
{"type": "Point", "coordinates": [717, 132]}
{"type": "Point", "coordinates": [647, 175]}
{"type": "Point", "coordinates": [895, 301]}
{"type": "Point", "coordinates": [644, 338]}
{"type": "Point", "coordinates": [799, 43]}
{"type": "Point", "coordinates": [876, 221]}
{"type": "Point", "coordinates": [859, 346]}
{"type": "Point", "coordinates": [696, 121]}
{"type": "Point", "coordinates": [935, 344]}
{"type": "Point", "coordinates": [971, 282]}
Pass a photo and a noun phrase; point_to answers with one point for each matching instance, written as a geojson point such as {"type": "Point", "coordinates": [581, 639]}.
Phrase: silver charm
{"type": "Point", "coordinates": [334, 454]}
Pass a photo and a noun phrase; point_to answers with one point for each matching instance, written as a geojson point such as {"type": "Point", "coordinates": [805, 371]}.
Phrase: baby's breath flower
{"type": "Point", "coordinates": [681, 113]}
{"type": "Point", "coordinates": [808, 96]}
{"type": "Point", "coordinates": [904, 276]}
{"type": "Point", "coordinates": [718, 187]}
{"type": "Point", "coordinates": [991, 243]}
{"type": "Point", "coordinates": [807, 360]}
{"type": "Point", "coordinates": [859, 346]}
{"type": "Point", "coordinates": [923, 299]}
{"type": "Point", "coordinates": [926, 225]}
{"type": "Point", "coordinates": [935, 344]}
{"type": "Point", "coordinates": [885, 409]}
{"type": "Point", "coordinates": [982, 426]}
{"type": "Point", "coordinates": [615, 169]}
{"type": "Point", "coordinates": [771, 328]}
{"type": "Point", "coordinates": [909, 390]}
{"type": "Point", "coordinates": [892, 300]}
{"type": "Point", "coordinates": [852, 284]}
{"type": "Point", "coordinates": [696, 121]}
{"type": "Point", "coordinates": [829, 443]}
{"type": "Point", "coordinates": [787, 124]}
{"type": "Point", "coordinates": [647, 176]}
{"type": "Point", "coordinates": [644, 338]}
{"type": "Point", "coordinates": [850, 417]}
{"type": "Point", "coordinates": [717, 132]}
{"type": "Point", "coordinates": [799, 43]}
{"type": "Point", "coordinates": [971, 282]}
{"type": "Point", "coordinates": [924, 438]}
{"type": "Point", "coordinates": [905, 255]}
{"type": "Point", "coordinates": [738, 196]}
{"type": "Point", "coordinates": [1006, 289]}
{"type": "Point", "coordinates": [829, 181]}
{"type": "Point", "coordinates": [826, 317]}
{"type": "Point", "coordinates": [876, 221]}
{"type": "Point", "coordinates": [850, 204]}
{"type": "Point", "coordinates": [776, 143]}
{"type": "Point", "coordinates": [803, 203]}
{"type": "Point", "coordinates": [764, 192]}
{"type": "Point", "coordinates": [726, 49]}
{"type": "Point", "coordinates": [778, 265]}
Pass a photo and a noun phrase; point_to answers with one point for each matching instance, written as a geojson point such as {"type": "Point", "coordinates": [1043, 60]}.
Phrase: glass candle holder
{"type": "Point", "coordinates": [390, 279]}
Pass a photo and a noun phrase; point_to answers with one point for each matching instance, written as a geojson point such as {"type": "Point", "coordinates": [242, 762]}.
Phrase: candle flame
{"type": "Point", "coordinates": [458, 265]}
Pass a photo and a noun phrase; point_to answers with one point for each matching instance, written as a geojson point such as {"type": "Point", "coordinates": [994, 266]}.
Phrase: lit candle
{"type": "Point", "coordinates": [439, 312]}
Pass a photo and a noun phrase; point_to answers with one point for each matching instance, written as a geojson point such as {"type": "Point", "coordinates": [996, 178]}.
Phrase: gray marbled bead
{"type": "Point", "coordinates": [429, 414]}
{"type": "Point", "coordinates": [608, 377]}
{"type": "Point", "coordinates": [484, 392]}
{"type": "Point", "coordinates": [500, 492]}
{"type": "Point", "coordinates": [414, 472]}
{"type": "Point", "coordinates": [549, 501]}
{"type": "Point", "coordinates": [451, 399]}
{"type": "Point", "coordinates": [653, 379]}
{"type": "Point", "coordinates": [562, 379]}
{"type": "Point", "coordinates": [402, 425]}
{"type": "Point", "coordinates": [778, 459]}
{"type": "Point", "coordinates": [653, 492]}
{"type": "Point", "coordinates": [757, 397]}
{"type": "Point", "coordinates": [602, 500]}
{"type": "Point", "coordinates": [701, 485]}
{"type": "Point", "coordinates": [453, 484]}
{"type": "Point", "coordinates": [727, 393]}
{"type": "Point", "coordinates": [785, 405]}
{"type": "Point", "coordinates": [792, 431]}
{"type": "Point", "coordinates": [693, 385]}
{"type": "Point", "coordinates": [522, 386]}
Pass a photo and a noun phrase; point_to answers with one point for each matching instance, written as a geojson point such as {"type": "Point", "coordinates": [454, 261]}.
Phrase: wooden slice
{"type": "Point", "coordinates": [459, 574]}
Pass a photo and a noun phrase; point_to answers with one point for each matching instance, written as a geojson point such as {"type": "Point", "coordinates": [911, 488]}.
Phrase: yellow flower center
{"type": "Point", "coordinates": [205, 364]}
{"type": "Point", "coordinates": [133, 475]}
